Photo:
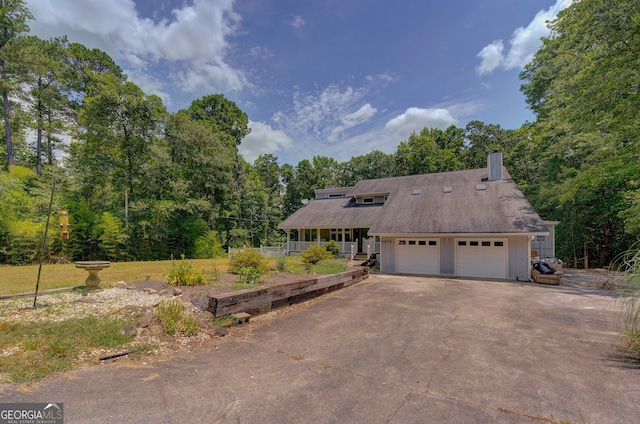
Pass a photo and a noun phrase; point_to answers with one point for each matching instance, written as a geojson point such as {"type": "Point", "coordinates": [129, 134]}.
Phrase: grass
{"type": "Point", "coordinates": [629, 300]}
{"type": "Point", "coordinates": [174, 319]}
{"type": "Point", "coordinates": [33, 350]}
{"type": "Point", "coordinates": [21, 279]}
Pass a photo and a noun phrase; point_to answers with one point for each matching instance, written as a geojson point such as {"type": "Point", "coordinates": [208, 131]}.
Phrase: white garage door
{"type": "Point", "coordinates": [482, 258]}
{"type": "Point", "coordinates": [418, 256]}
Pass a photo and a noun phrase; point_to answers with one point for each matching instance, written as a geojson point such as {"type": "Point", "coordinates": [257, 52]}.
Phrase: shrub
{"type": "Point", "coordinates": [249, 276]}
{"type": "Point", "coordinates": [333, 247]}
{"type": "Point", "coordinates": [208, 245]}
{"type": "Point", "coordinates": [183, 274]}
{"type": "Point", "coordinates": [189, 325]}
{"type": "Point", "coordinates": [315, 254]}
{"type": "Point", "coordinates": [173, 318]}
{"type": "Point", "coordinates": [281, 264]}
{"type": "Point", "coordinates": [247, 259]}
{"type": "Point", "coordinates": [169, 313]}
{"type": "Point", "coordinates": [113, 237]}
{"type": "Point", "coordinates": [629, 291]}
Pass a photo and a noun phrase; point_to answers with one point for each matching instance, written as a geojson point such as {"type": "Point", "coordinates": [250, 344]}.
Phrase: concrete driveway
{"type": "Point", "coordinates": [391, 349]}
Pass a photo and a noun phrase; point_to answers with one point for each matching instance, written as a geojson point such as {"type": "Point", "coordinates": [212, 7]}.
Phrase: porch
{"type": "Point", "coordinates": [352, 241]}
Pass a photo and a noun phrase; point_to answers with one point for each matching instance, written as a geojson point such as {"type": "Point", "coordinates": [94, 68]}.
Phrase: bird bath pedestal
{"type": "Point", "coordinates": [93, 267]}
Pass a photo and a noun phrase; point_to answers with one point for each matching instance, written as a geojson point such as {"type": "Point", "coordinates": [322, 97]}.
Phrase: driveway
{"type": "Point", "coordinates": [391, 349]}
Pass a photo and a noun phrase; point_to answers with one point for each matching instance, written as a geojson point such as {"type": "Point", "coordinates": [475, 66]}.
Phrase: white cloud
{"type": "Point", "coordinates": [315, 115]}
{"type": "Point", "coordinates": [263, 139]}
{"type": "Point", "coordinates": [194, 39]}
{"type": "Point", "coordinates": [415, 119]}
{"type": "Point", "coordinates": [523, 44]}
{"type": "Point", "coordinates": [297, 22]}
{"type": "Point", "coordinates": [362, 115]}
{"type": "Point", "coordinates": [491, 56]}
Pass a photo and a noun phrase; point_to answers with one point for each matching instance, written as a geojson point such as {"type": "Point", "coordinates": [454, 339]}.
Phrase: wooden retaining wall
{"type": "Point", "coordinates": [259, 301]}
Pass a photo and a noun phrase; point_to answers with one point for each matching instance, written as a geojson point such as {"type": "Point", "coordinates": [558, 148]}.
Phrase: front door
{"type": "Point", "coordinates": [361, 234]}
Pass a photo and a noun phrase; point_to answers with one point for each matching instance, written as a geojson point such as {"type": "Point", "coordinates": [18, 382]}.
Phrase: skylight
{"type": "Point", "coordinates": [481, 187]}
{"type": "Point", "coordinates": [447, 189]}
{"type": "Point", "coordinates": [416, 191]}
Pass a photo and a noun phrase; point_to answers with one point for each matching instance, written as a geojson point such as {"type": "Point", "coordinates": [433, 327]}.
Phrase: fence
{"type": "Point", "coordinates": [267, 252]}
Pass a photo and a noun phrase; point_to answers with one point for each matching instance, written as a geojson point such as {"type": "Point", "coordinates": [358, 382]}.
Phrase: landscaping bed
{"type": "Point", "coordinates": [65, 329]}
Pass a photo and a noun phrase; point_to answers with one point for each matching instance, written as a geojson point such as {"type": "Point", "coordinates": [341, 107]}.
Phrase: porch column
{"type": "Point", "coordinates": [318, 236]}
{"type": "Point", "coordinates": [342, 250]}
{"type": "Point", "coordinates": [288, 238]}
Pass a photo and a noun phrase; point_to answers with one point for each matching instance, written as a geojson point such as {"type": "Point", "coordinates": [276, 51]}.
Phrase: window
{"type": "Point", "coordinates": [422, 242]}
{"type": "Point", "coordinates": [412, 242]}
{"type": "Point", "coordinates": [473, 243]}
{"type": "Point", "coordinates": [367, 200]}
{"type": "Point", "coordinates": [462, 243]}
{"type": "Point", "coordinates": [433, 243]}
{"type": "Point", "coordinates": [498, 243]}
{"type": "Point", "coordinates": [486, 243]}
{"type": "Point", "coordinates": [402, 242]}
{"type": "Point", "coordinates": [331, 196]}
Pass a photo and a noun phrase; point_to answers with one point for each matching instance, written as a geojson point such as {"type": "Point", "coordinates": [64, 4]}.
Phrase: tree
{"type": "Point", "coordinates": [201, 157]}
{"type": "Point", "coordinates": [120, 123]}
{"type": "Point", "coordinates": [42, 92]}
{"type": "Point", "coordinates": [222, 114]}
{"type": "Point", "coordinates": [14, 16]}
{"type": "Point", "coordinates": [433, 150]}
{"type": "Point", "coordinates": [375, 164]}
{"type": "Point", "coordinates": [582, 84]}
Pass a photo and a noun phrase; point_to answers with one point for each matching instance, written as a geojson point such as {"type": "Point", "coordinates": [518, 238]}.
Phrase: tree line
{"type": "Point", "coordinates": [142, 183]}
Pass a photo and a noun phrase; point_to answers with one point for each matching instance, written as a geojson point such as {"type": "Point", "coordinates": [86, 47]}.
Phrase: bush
{"type": "Point", "coordinates": [208, 245]}
{"type": "Point", "coordinates": [629, 291]}
{"type": "Point", "coordinates": [169, 313]}
{"type": "Point", "coordinates": [183, 274]}
{"type": "Point", "coordinates": [249, 276]}
{"type": "Point", "coordinates": [315, 254]}
{"type": "Point", "coordinates": [333, 247]}
{"type": "Point", "coordinates": [247, 259]}
{"type": "Point", "coordinates": [173, 318]}
{"type": "Point", "coordinates": [281, 264]}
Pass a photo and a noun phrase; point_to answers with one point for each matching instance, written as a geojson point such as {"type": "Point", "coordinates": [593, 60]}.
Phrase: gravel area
{"type": "Point", "coordinates": [67, 305]}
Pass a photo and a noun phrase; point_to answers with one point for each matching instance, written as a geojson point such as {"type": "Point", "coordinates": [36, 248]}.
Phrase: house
{"type": "Point", "coordinates": [473, 223]}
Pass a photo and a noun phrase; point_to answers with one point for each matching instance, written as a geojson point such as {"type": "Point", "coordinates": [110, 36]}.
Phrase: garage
{"type": "Point", "coordinates": [481, 257]}
{"type": "Point", "coordinates": [418, 256]}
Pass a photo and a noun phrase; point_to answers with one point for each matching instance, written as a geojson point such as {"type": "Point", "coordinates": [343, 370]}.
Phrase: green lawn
{"type": "Point", "coordinates": [20, 279]}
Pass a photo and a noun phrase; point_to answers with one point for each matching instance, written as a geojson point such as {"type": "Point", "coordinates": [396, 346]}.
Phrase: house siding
{"type": "Point", "coordinates": [519, 258]}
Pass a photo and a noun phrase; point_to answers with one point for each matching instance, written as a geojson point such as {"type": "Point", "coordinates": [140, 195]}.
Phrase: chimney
{"type": "Point", "coordinates": [494, 165]}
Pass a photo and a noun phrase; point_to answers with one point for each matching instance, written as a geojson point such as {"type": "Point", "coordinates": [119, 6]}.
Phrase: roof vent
{"type": "Point", "coordinates": [481, 187]}
{"type": "Point", "coordinates": [416, 191]}
{"type": "Point", "coordinates": [447, 189]}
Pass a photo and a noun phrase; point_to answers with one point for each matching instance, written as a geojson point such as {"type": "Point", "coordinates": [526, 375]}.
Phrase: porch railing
{"type": "Point", "coordinates": [266, 251]}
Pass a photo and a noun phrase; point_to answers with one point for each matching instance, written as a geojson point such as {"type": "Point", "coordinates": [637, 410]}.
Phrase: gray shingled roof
{"type": "Point", "coordinates": [499, 208]}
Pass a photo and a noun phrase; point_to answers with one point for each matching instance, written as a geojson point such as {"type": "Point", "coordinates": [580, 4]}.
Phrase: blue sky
{"type": "Point", "coordinates": [333, 78]}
